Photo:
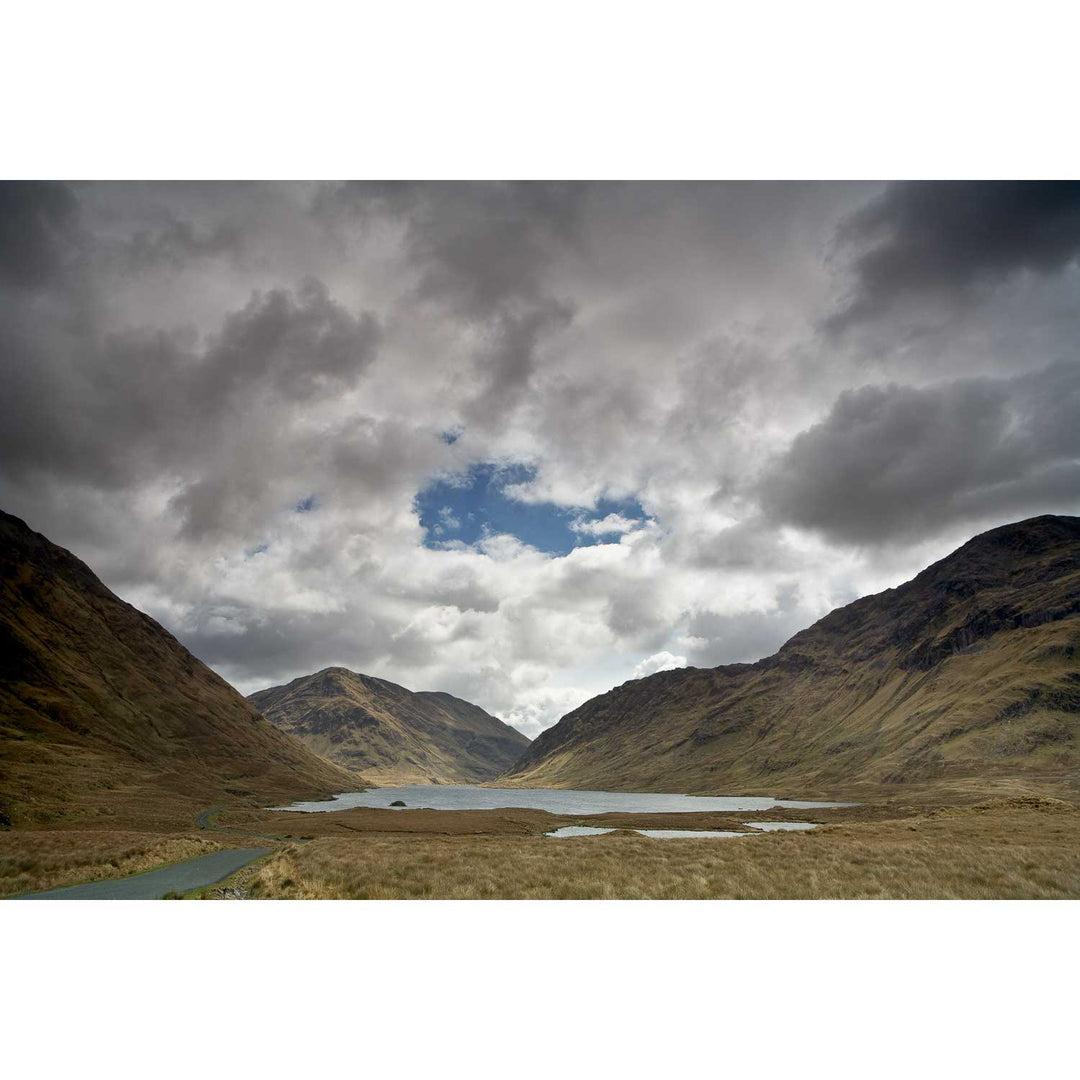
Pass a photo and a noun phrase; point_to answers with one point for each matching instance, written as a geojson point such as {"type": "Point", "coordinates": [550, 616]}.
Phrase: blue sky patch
{"type": "Point", "coordinates": [463, 507]}
{"type": "Point", "coordinates": [305, 506]}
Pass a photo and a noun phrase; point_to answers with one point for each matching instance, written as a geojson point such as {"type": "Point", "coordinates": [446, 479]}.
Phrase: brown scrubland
{"type": "Point", "coordinates": [35, 859]}
{"type": "Point", "coordinates": [925, 845]}
{"type": "Point", "coordinates": [1010, 849]}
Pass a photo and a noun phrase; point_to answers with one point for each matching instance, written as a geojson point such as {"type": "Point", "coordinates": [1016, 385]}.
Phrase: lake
{"type": "Point", "coordinates": [554, 800]}
{"type": "Point", "coordinates": [656, 834]}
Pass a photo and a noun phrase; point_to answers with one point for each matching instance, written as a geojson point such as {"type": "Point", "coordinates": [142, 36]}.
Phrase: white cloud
{"type": "Point", "coordinates": [661, 661]}
{"type": "Point", "coordinates": [606, 526]}
{"type": "Point", "coordinates": [447, 520]}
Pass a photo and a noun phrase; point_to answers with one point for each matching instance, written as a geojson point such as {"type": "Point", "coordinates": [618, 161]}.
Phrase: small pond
{"type": "Point", "coordinates": [656, 834]}
{"type": "Point", "coordinates": [781, 826]}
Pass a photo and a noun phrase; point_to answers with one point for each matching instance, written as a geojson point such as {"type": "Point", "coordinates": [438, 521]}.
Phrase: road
{"type": "Point", "coordinates": [180, 878]}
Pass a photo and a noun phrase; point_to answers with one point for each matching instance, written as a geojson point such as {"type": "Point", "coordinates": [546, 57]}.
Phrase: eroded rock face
{"type": "Point", "coordinates": [389, 734]}
{"type": "Point", "coordinates": [969, 669]}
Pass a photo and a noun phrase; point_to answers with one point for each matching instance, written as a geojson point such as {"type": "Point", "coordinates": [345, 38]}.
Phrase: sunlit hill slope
{"type": "Point", "coordinates": [391, 735]}
{"type": "Point", "coordinates": [968, 673]}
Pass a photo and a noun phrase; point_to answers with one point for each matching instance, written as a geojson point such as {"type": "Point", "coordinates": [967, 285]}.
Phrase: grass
{"type": "Point", "coordinates": [1014, 849]}
{"type": "Point", "coordinates": [1010, 848]}
{"type": "Point", "coordinates": [36, 859]}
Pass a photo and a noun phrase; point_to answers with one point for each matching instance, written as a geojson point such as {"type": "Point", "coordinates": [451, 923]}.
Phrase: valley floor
{"type": "Point", "coordinates": [1023, 847]}
{"type": "Point", "coordinates": [1007, 851]}
{"type": "Point", "coordinates": [1009, 848]}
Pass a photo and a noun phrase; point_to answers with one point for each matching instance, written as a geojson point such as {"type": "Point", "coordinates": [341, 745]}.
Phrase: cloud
{"type": "Point", "coordinates": [178, 243]}
{"type": "Point", "coordinates": [747, 635]}
{"type": "Point", "coordinates": [130, 406]}
{"type": "Point", "coordinates": [889, 463]}
{"type": "Point", "coordinates": [186, 367]}
{"type": "Point", "coordinates": [937, 241]}
{"type": "Point", "coordinates": [661, 661]}
{"type": "Point", "coordinates": [38, 231]}
{"type": "Point", "coordinates": [447, 520]}
{"type": "Point", "coordinates": [611, 524]}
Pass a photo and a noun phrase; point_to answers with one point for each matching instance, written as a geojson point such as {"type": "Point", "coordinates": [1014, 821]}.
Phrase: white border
{"type": "Point", "coordinates": [592, 89]}
{"type": "Point", "coordinates": [414, 989]}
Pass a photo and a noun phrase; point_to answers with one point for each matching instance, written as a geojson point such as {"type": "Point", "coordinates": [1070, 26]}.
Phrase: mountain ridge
{"type": "Point", "coordinates": [104, 713]}
{"type": "Point", "coordinates": [893, 688]}
{"type": "Point", "coordinates": [389, 734]}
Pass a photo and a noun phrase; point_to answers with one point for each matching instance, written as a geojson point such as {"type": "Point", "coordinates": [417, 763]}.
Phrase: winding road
{"type": "Point", "coordinates": [181, 877]}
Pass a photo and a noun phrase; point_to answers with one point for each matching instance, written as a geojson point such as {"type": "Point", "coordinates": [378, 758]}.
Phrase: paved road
{"type": "Point", "coordinates": [153, 885]}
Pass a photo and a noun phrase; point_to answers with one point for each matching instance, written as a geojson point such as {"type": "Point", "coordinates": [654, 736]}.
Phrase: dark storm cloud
{"type": "Point", "coordinates": [481, 249]}
{"type": "Point", "coordinates": [892, 463]}
{"type": "Point", "coordinates": [291, 643]}
{"type": "Point", "coordinates": [111, 409]}
{"type": "Point", "coordinates": [336, 204]}
{"type": "Point", "coordinates": [509, 360]}
{"type": "Point", "coordinates": [301, 344]}
{"type": "Point", "coordinates": [178, 243]}
{"type": "Point", "coordinates": [484, 253]}
{"type": "Point", "coordinates": [934, 241]}
{"type": "Point", "coordinates": [38, 222]}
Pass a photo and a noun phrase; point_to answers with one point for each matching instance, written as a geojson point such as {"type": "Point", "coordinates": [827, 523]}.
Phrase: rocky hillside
{"type": "Point", "coordinates": [388, 733]}
{"type": "Point", "coordinates": [970, 670]}
{"type": "Point", "coordinates": [105, 714]}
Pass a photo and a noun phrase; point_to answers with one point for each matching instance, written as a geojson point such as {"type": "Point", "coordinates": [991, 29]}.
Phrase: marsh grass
{"type": "Point", "coordinates": [1007, 852]}
{"type": "Point", "coordinates": [35, 859]}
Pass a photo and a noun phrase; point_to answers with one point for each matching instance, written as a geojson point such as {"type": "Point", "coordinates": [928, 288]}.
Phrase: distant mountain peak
{"type": "Point", "coordinates": [390, 734]}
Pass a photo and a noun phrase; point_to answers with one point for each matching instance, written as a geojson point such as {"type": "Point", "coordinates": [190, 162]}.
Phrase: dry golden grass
{"type": "Point", "coordinates": [1010, 851]}
{"type": "Point", "coordinates": [35, 859]}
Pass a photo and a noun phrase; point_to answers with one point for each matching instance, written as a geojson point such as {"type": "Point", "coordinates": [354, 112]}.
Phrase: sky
{"type": "Point", "coordinates": [522, 442]}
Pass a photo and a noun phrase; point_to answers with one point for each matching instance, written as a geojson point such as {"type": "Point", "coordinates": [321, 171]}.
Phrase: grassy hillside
{"type": "Point", "coordinates": [971, 671]}
{"type": "Point", "coordinates": [104, 714]}
{"type": "Point", "coordinates": [389, 734]}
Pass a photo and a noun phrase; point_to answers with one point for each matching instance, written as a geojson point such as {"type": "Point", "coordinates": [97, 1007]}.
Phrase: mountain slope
{"type": "Point", "coordinates": [389, 733]}
{"type": "Point", "coordinates": [972, 669]}
{"type": "Point", "coordinates": [103, 712]}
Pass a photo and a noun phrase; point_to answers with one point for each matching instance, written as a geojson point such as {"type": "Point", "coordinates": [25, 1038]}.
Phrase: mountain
{"type": "Point", "coordinates": [971, 671]}
{"type": "Point", "coordinates": [390, 734]}
{"type": "Point", "coordinates": [104, 713]}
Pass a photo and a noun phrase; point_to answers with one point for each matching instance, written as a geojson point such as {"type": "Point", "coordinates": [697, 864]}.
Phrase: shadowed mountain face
{"type": "Point", "coordinates": [388, 733]}
{"type": "Point", "coordinates": [104, 713]}
{"type": "Point", "coordinates": [970, 670]}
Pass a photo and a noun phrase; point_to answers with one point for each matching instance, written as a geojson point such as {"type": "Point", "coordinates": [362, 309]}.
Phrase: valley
{"type": "Point", "coordinates": [916, 744]}
{"type": "Point", "coordinates": [1027, 848]}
